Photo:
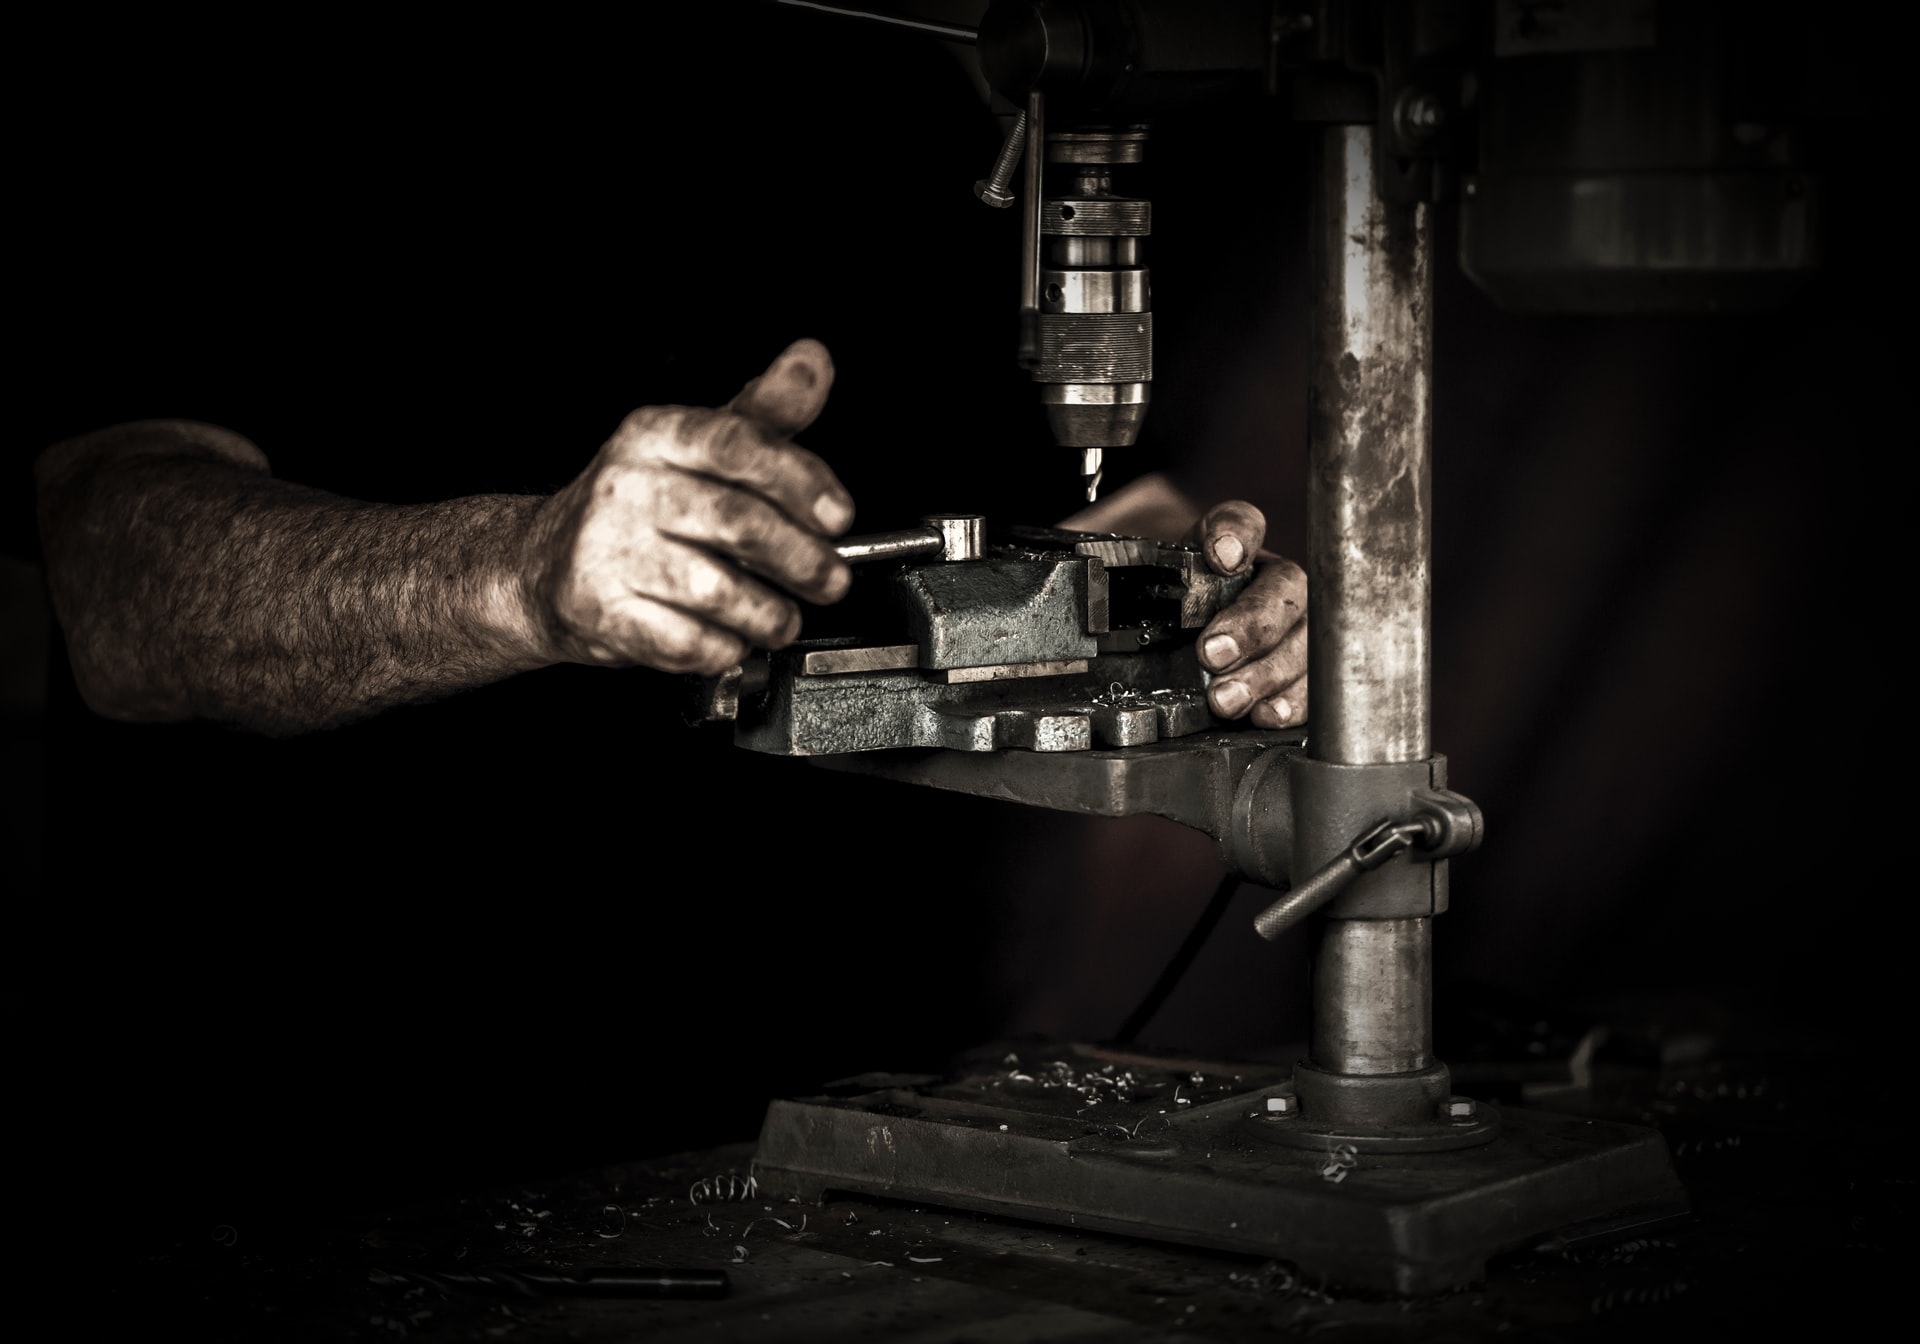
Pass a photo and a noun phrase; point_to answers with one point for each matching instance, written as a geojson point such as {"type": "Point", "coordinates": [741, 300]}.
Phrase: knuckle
{"type": "Point", "coordinates": [642, 429]}
{"type": "Point", "coordinates": [727, 440]}
{"type": "Point", "coordinates": [678, 645]}
{"type": "Point", "coordinates": [738, 517]}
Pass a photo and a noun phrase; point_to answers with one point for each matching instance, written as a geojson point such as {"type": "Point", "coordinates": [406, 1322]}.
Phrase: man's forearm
{"type": "Point", "coordinates": [191, 584]}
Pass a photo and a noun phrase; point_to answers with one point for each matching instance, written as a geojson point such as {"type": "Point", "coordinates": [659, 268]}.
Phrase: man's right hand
{"type": "Point", "coordinates": [685, 541]}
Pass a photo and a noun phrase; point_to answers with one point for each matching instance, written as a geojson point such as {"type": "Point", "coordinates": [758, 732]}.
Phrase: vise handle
{"type": "Point", "coordinates": [943, 536]}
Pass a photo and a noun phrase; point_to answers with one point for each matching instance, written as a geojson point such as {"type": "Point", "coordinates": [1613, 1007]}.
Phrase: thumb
{"type": "Point", "coordinates": [1231, 535]}
{"type": "Point", "coordinates": [793, 390]}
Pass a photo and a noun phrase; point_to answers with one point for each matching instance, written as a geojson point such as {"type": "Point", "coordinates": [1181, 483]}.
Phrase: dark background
{"type": "Point", "coordinates": [546, 924]}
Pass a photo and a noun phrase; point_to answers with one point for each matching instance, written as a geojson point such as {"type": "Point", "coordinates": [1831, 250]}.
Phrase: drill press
{"type": "Point", "coordinates": [1359, 1163]}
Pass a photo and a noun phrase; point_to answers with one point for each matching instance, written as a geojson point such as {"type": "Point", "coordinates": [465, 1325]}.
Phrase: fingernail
{"type": "Point", "coordinates": [1230, 697]}
{"type": "Point", "coordinates": [1228, 553]}
{"type": "Point", "coordinates": [1282, 708]}
{"type": "Point", "coordinates": [833, 512]}
{"type": "Point", "coordinates": [1220, 651]}
{"type": "Point", "coordinates": [835, 579]}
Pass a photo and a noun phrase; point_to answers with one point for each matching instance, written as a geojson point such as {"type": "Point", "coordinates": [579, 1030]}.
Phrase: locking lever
{"type": "Point", "coordinates": [1444, 824]}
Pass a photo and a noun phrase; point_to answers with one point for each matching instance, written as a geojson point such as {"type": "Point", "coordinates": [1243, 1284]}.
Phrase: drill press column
{"type": "Point", "coordinates": [1369, 510]}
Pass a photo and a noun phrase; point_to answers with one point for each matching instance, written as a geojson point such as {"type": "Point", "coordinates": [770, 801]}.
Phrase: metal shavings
{"type": "Point", "coordinates": [887, 1264]}
{"type": "Point", "coordinates": [926, 1259]}
{"type": "Point", "coordinates": [1341, 1159]}
{"type": "Point", "coordinates": [1093, 1086]}
{"type": "Point", "coordinates": [780, 1221]}
{"type": "Point", "coordinates": [725, 1187]}
{"type": "Point", "coordinates": [619, 1229]}
{"type": "Point", "coordinates": [1629, 1297]}
{"type": "Point", "coordinates": [739, 1255]}
{"type": "Point", "coordinates": [1117, 694]}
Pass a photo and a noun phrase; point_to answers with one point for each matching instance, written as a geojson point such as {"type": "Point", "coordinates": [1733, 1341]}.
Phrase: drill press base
{"type": "Point", "coordinates": [1183, 1151]}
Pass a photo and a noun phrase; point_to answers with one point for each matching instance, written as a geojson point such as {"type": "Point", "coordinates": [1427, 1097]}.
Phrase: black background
{"type": "Point", "coordinates": [546, 924]}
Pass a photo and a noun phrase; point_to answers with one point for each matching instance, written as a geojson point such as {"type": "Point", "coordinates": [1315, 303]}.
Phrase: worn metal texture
{"type": "Point", "coordinates": [997, 611]}
{"type": "Point", "coordinates": [1057, 641]}
{"type": "Point", "coordinates": [1174, 1150]}
{"type": "Point", "coordinates": [1116, 700]}
{"type": "Point", "coordinates": [1373, 996]}
{"type": "Point", "coordinates": [1369, 491]}
{"type": "Point", "coordinates": [1334, 803]}
{"type": "Point", "coordinates": [1195, 781]}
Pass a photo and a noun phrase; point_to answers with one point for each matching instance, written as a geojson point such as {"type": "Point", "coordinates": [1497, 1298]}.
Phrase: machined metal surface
{"type": "Point", "coordinates": [1369, 502]}
{"type": "Point", "coordinates": [1092, 326]}
{"type": "Point", "coordinates": [1186, 1151]}
{"type": "Point", "coordinates": [1369, 489]}
{"type": "Point", "coordinates": [1373, 996]}
{"type": "Point", "coordinates": [945, 536]}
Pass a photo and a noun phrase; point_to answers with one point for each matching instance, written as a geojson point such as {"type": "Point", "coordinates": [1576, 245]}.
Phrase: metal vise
{"type": "Point", "coordinates": [1045, 641]}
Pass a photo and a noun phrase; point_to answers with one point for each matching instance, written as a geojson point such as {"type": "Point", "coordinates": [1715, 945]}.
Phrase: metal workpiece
{"type": "Point", "coordinates": [1369, 488]}
{"type": "Point", "coordinates": [1373, 996]}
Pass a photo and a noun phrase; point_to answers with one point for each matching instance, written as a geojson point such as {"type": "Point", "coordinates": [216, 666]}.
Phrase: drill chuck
{"type": "Point", "coordinates": [1095, 340]}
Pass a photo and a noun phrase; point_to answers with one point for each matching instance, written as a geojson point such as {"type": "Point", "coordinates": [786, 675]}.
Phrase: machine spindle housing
{"type": "Point", "coordinates": [1095, 357]}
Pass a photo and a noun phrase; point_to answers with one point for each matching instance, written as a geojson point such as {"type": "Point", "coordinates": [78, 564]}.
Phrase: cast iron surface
{"type": "Point", "coordinates": [1185, 1151]}
{"type": "Point", "coordinates": [1802, 1219]}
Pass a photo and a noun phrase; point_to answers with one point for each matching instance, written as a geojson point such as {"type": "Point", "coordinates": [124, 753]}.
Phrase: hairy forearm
{"type": "Point", "coordinates": [191, 584]}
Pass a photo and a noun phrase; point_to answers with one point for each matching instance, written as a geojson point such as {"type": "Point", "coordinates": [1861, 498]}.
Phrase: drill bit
{"type": "Point", "coordinates": [1091, 470]}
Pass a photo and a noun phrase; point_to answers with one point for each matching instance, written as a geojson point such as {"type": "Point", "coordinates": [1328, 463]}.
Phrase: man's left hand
{"type": "Point", "coordinates": [1257, 648]}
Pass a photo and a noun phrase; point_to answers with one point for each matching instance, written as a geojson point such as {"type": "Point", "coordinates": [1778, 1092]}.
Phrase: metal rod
{"type": "Point", "coordinates": [1029, 353]}
{"type": "Point", "coordinates": [1369, 497]}
{"type": "Point", "coordinates": [903, 545]}
{"type": "Point", "coordinates": [951, 32]}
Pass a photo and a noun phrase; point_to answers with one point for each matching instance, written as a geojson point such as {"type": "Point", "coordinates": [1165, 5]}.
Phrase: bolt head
{"type": "Point", "coordinates": [997, 197]}
{"type": "Point", "coordinates": [1461, 1108]}
{"type": "Point", "coordinates": [1283, 1105]}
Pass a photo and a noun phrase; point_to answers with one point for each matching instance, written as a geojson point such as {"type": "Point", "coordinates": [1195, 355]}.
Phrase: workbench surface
{"type": "Point", "coordinates": [1798, 1212]}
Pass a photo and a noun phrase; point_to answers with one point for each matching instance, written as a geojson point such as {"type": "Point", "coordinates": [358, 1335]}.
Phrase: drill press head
{"type": "Point", "coordinates": [1094, 356]}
